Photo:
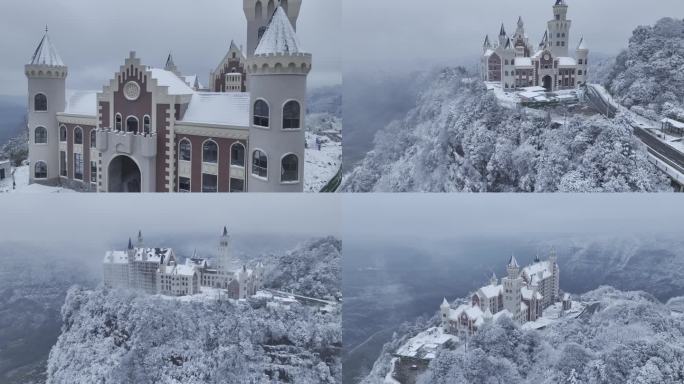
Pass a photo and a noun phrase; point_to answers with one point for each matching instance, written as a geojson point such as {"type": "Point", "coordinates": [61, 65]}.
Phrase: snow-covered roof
{"type": "Point", "coordinates": [193, 81]}
{"type": "Point", "coordinates": [474, 312]}
{"type": "Point", "coordinates": [181, 270]}
{"type": "Point", "coordinates": [153, 255]}
{"type": "Point", "coordinates": [523, 62]}
{"type": "Point", "coordinates": [535, 89]}
{"type": "Point", "coordinates": [504, 312]}
{"type": "Point", "coordinates": [489, 52]}
{"type": "Point", "coordinates": [673, 123]}
{"type": "Point", "coordinates": [424, 344]}
{"type": "Point", "coordinates": [529, 95]}
{"type": "Point", "coordinates": [218, 108]}
{"type": "Point", "coordinates": [83, 103]}
{"type": "Point", "coordinates": [564, 61]}
{"type": "Point", "coordinates": [46, 54]}
{"type": "Point", "coordinates": [280, 36]}
{"type": "Point", "coordinates": [528, 293]}
{"type": "Point", "coordinates": [513, 262]}
{"type": "Point", "coordinates": [169, 79]}
{"type": "Point", "coordinates": [540, 270]}
{"type": "Point", "coordinates": [116, 257]}
{"type": "Point", "coordinates": [490, 291]}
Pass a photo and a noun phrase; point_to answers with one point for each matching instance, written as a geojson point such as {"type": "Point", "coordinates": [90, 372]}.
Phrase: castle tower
{"type": "Point", "coordinates": [46, 73]}
{"type": "Point", "coordinates": [493, 280]}
{"type": "Point", "coordinates": [582, 56]}
{"type": "Point", "coordinates": [553, 266]}
{"type": "Point", "coordinates": [277, 76]}
{"type": "Point", "coordinates": [259, 13]}
{"type": "Point", "coordinates": [444, 310]}
{"type": "Point", "coordinates": [225, 263]}
{"type": "Point", "coordinates": [502, 35]}
{"type": "Point", "coordinates": [512, 284]}
{"type": "Point", "coordinates": [130, 250]}
{"type": "Point", "coordinates": [140, 243]}
{"type": "Point", "coordinates": [559, 29]}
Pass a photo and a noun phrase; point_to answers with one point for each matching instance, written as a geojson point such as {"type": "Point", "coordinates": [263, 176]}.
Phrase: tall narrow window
{"type": "Point", "coordinates": [259, 164]}
{"type": "Point", "coordinates": [78, 166]}
{"type": "Point", "coordinates": [291, 115]}
{"type": "Point", "coordinates": [210, 152]}
{"type": "Point", "coordinates": [118, 122]}
{"type": "Point", "coordinates": [146, 125]}
{"type": "Point", "coordinates": [258, 11]}
{"type": "Point", "coordinates": [132, 124]}
{"type": "Point", "coordinates": [93, 138]}
{"type": "Point", "coordinates": [40, 171]}
{"type": "Point", "coordinates": [271, 8]}
{"type": "Point", "coordinates": [78, 135]}
{"type": "Point", "coordinates": [185, 150]}
{"type": "Point", "coordinates": [290, 169]}
{"type": "Point", "coordinates": [261, 113]}
{"type": "Point", "coordinates": [93, 171]}
{"type": "Point", "coordinates": [62, 133]}
{"type": "Point", "coordinates": [237, 155]}
{"type": "Point", "coordinates": [40, 136]}
{"type": "Point", "coordinates": [40, 103]}
{"type": "Point", "coordinates": [62, 164]}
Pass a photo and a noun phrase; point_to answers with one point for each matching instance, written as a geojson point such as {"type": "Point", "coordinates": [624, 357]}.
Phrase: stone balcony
{"type": "Point", "coordinates": [128, 143]}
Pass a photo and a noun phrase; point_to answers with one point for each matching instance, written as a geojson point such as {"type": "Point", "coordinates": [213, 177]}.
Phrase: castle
{"type": "Point", "coordinates": [157, 130]}
{"type": "Point", "coordinates": [514, 63]}
{"type": "Point", "coordinates": [522, 295]}
{"type": "Point", "coordinates": [157, 271]}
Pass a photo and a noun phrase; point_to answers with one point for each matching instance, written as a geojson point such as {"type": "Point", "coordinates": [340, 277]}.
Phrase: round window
{"type": "Point", "coordinates": [131, 90]}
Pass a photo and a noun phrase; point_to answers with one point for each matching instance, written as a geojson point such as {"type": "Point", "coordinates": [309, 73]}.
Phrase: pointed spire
{"type": "Point", "coordinates": [170, 65]}
{"type": "Point", "coordinates": [225, 231]}
{"type": "Point", "coordinates": [513, 262]}
{"type": "Point", "coordinates": [487, 44]}
{"type": "Point", "coordinates": [445, 303]}
{"type": "Point", "coordinates": [487, 316]}
{"type": "Point", "coordinates": [544, 40]}
{"type": "Point", "coordinates": [280, 36]}
{"type": "Point", "coordinates": [520, 22]}
{"type": "Point", "coordinates": [582, 46]}
{"type": "Point", "coordinates": [130, 244]}
{"type": "Point", "coordinates": [46, 53]}
{"type": "Point", "coordinates": [509, 43]}
{"type": "Point", "coordinates": [503, 30]}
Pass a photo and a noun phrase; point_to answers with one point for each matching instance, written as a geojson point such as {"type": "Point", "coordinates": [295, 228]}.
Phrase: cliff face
{"type": "Point", "coordinates": [113, 336]}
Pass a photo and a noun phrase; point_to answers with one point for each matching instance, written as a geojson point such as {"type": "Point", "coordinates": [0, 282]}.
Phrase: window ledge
{"type": "Point", "coordinates": [259, 177]}
{"type": "Point", "coordinates": [261, 127]}
{"type": "Point", "coordinates": [290, 182]}
{"type": "Point", "coordinates": [291, 129]}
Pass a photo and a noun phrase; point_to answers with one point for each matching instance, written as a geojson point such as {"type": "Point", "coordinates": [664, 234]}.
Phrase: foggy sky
{"type": "Point", "coordinates": [94, 37]}
{"type": "Point", "coordinates": [397, 35]}
{"type": "Point", "coordinates": [91, 218]}
{"type": "Point", "coordinates": [406, 219]}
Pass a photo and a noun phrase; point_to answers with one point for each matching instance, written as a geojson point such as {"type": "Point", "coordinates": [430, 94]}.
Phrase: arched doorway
{"type": "Point", "coordinates": [123, 175]}
{"type": "Point", "coordinates": [547, 83]}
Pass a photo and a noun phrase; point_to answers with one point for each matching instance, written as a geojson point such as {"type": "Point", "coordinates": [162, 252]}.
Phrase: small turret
{"type": "Point", "coordinates": [444, 310]}
{"type": "Point", "coordinates": [493, 280]}
{"type": "Point", "coordinates": [171, 66]}
{"type": "Point", "coordinates": [140, 239]}
{"type": "Point", "coordinates": [487, 44]}
{"type": "Point", "coordinates": [130, 250]}
{"type": "Point", "coordinates": [502, 35]}
{"type": "Point", "coordinates": [513, 267]}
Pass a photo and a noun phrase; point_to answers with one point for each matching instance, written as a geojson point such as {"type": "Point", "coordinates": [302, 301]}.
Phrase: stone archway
{"type": "Point", "coordinates": [123, 175]}
{"type": "Point", "coordinates": [547, 82]}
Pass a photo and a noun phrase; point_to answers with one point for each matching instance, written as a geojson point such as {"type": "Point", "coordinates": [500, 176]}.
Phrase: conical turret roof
{"type": "Point", "coordinates": [280, 36]}
{"type": "Point", "coordinates": [582, 46]}
{"type": "Point", "coordinates": [225, 230]}
{"type": "Point", "coordinates": [513, 262]}
{"type": "Point", "coordinates": [445, 303]}
{"type": "Point", "coordinates": [46, 53]}
{"type": "Point", "coordinates": [502, 32]}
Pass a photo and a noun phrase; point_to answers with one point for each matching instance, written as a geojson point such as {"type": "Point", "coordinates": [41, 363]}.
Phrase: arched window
{"type": "Point", "coordinates": [62, 133]}
{"type": "Point", "coordinates": [291, 115]}
{"type": "Point", "coordinates": [210, 152]}
{"type": "Point", "coordinates": [40, 171]}
{"type": "Point", "coordinates": [40, 103]}
{"type": "Point", "coordinates": [259, 164]}
{"type": "Point", "coordinates": [118, 122]}
{"type": "Point", "coordinates": [259, 11]}
{"type": "Point", "coordinates": [132, 124]}
{"type": "Point", "coordinates": [40, 136]}
{"type": "Point", "coordinates": [283, 3]}
{"type": "Point", "coordinates": [185, 150]}
{"type": "Point", "coordinates": [271, 8]}
{"type": "Point", "coordinates": [237, 155]}
{"type": "Point", "coordinates": [78, 135]}
{"type": "Point", "coordinates": [93, 138]}
{"type": "Point", "coordinates": [261, 113]}
{"type": "Point", "coordinates": [289, 171]}
{"type": "Point", "coordinates": [146, 125]}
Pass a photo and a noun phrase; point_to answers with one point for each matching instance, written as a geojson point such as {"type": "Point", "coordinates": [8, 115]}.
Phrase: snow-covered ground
{"type": "Point", "coordinates": [426, 344]}
{"type": "Point", "coordinates": [321, 166]}
{"type": "Point", "coordinates": [553, 313]}
{"type": "Point", "coordinates": [21, 177]}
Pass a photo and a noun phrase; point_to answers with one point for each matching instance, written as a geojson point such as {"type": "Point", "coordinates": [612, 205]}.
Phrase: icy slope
{"type": "Point", "coordinates": [459, 138]}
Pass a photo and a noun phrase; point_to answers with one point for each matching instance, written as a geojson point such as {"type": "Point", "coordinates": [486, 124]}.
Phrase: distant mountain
{"type": "Point", "coordinates": [648, 76]}
{"type": "Point", "coordinates": [12, 117]}
{"type": "Point", "coordinates": [325, 100]}
{"type": "Point", "coordinates": [459, 138]}
{"type": "Point", "coordinates": [623, 337]}
{"type": "Point", "coordinates": [125, 337]}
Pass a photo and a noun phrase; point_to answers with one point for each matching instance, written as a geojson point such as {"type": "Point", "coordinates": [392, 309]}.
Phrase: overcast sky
{"type": "Point", "coordinates": [73, 218]}
{"type": "Point", "coordinates": [407, 219]}
{"type": "Point", "coordinates": [95, 37]}
{"type": "Point", "coordinates": [398, 35]}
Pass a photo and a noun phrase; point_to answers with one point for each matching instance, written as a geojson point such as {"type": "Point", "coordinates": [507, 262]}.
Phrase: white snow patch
{"type": "Point", "coordinates": [321, 166]}
{"type": "Point", "coordinates": [218, 108]}
{"type": "Point", "coordinates": [21, 176]}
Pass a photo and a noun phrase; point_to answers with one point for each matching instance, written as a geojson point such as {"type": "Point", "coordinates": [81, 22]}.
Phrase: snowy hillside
{"type": "Point", "coordinates": [125, 337]}
{"type": "Point", "coordinates": [647, 77]}
{"type": "Point", "coordinates": [621, 337]}
{"type": "Point", "coordinates": [460, 138]}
